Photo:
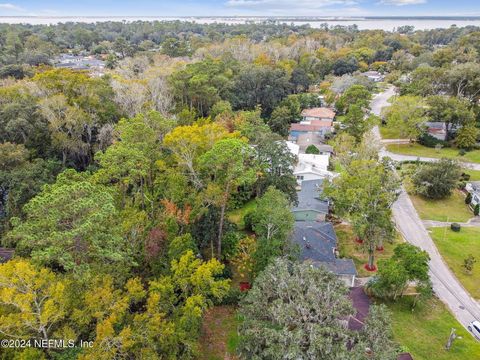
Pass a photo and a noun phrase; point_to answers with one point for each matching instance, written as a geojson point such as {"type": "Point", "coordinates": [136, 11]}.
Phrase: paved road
{"type": "Point", "coordinates": [473, 222]}
{"type": "Point", "coordinates": [378, 103]}
{"type": "Point", "coordinates": [445, 284]}
{"type": "Point", "coordinates": [400, 158]}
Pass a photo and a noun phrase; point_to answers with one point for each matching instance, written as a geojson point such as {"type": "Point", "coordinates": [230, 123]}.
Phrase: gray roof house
{"type": "Point", "coordinates": [310, 207]}
{"type": "Point", "coordinates": [318, 244]}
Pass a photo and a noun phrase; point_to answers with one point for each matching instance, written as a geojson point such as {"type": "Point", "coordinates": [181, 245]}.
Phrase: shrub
{"type": "Point", "coordinates": [476, 210]}
{"type": "Point", "coordinates": [428, 140]}
{"type": "Point", "coordinates": [248, 220]}
{"type": "Point", "coordinates": [462, 152]}
{"type": "Point", "coordinates": [312, 149]}
{"type": "Point", "coordinates": [233, 296]}
{"type": "Point", "coordinates": [465, 176]}
{"type": "Point", "coordinates": [455, 227]}
{"type": "Point", "coordinates": [468, 199]}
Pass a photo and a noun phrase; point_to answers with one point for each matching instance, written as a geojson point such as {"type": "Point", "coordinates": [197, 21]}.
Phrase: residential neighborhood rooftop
{"type": "Point", "coordinates": [318, 244]}
{"type": "Point", "coordinates": [319, 112]}
{"type": "Point", "coordinates": [309, 197]}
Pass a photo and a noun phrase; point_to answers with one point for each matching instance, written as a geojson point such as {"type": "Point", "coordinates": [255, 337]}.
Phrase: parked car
{"type": "Point", "coordinates": [474, 327]}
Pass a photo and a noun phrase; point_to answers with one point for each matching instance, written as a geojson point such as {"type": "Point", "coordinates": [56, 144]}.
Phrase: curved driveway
{"type": "Point", "coordinates": [445, 284]}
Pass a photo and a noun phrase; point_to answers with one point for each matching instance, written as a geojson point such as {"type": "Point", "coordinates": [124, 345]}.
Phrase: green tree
{"type": "Point", "coordinates": [229, 164]}
{"type": "Point", "coordinates": [188, 143]}
{"type": "Point", "coordinates": [453, 111]}
{"type": "Point", "coordinates": [259, 85]}
{"type": "Point", "coordinates": [406, 115]}
{"type": "Point", "coordinates": [72, 225]}
{"type": "Point", "coordinates": [312, 149]}
{"type": "Point", "coordinates": [437, 180]}
{"type": "Point", "coordinates": [299, 310]}
{"type": "Point", "coordinates": [364, 193]}
{"type": "Point", "coordinates": [273, 222]}
{"type": "Point", "coordinates": [467, 136]}
{"type": "Point", "coordinates": [356, 122]}
{"type": "Point", "coordinates": [377, 334]}
{"type": "Point", "coordinates": [408, 264]}
{"type": "Point", "coordinates": [280, 120]}
{"type": "Point", "coordinates": [276, 163]}
{"type": "Point", "coordinates": [355, 94]}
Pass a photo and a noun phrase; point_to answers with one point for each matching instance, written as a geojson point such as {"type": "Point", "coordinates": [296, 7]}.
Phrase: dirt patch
{"type": "Point", "coordinates": [219, 334]}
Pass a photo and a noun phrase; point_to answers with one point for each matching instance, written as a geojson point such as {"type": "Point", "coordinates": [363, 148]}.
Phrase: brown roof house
{"type": "Point", "coordinates": [317, 121]}
{"type": "Point", "coordinates": [320, 113]}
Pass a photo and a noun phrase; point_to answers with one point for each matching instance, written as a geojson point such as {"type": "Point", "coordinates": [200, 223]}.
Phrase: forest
{"type": "Point", "coordinates": [117, 192]}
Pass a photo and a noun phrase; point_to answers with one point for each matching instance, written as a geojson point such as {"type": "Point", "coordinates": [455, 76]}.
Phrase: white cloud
{"type": "Point", "coordinates": [402, 2]}
{"type": "Point", "coordinates": [11, 7]}
{"type": "Point", "coordinates": [289, 5]}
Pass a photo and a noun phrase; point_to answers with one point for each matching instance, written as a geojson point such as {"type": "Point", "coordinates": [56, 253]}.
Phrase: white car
{"type": "Point", "coordinates": [474, 327]}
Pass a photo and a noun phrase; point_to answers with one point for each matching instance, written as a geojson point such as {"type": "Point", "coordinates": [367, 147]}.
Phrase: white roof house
{"type": "Point", "coordinates": [294, 148]}
{"type": "Point", "coordinates": [312, 167]}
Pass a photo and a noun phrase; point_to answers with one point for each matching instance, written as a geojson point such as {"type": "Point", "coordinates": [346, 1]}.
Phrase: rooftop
{"type": "Point", "coordinates": [311, 126]}
{"type": "Point", "coordinates": [317, 240]}
{"type": "Point", "coordinates": [309, 197]}
{"type": "Point", "coordinates": [318, 243]}
{"type": "Point", "coordinates": [320, 112]}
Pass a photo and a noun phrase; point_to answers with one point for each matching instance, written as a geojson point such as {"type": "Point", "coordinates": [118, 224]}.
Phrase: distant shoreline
{"type": "Point", "coordinates": [387, 23]}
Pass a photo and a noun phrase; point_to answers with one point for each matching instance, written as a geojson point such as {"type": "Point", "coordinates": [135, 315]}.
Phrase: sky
{"type": "Point", "coordinates": [240, 7]}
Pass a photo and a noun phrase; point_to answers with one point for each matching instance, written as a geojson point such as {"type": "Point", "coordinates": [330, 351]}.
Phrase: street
{"type": "Point", "coordinates": [445, 284]}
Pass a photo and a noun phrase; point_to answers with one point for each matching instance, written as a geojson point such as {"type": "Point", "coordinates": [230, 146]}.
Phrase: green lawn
{"type": "Point", "coordinates": [455, 247]}
{"type": "Point", "coordinates": [423, 151]}
{"type": "Point", "coordinates": [350, 249]}
{"type": "Point", "coordinates": [452, 209]}
{"type": "Point", "coordinates": [236, 216]}
{"type": "Point", "coordinates": [389, 133]}
{"type": "Point", "coordinates": [425, 331]}
{"type": "Point", "coordinates": [474, 174]}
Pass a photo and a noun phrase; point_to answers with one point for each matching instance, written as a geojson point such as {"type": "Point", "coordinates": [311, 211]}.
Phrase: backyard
{"type": "Point", "coordinates": [423, 151]}
{"type": "Point", "coordinates": [425, 331]}
{"type": "Point", "coordinates": [219, 337]}
{"type": "Point", "coordinates": [237, 216]}
{"type": "Point", "coordinates": [452, 209]}
{"type": "Point", "coordinates": [349, 248]}
{"type": "Point", "coordinates": [455, 247]}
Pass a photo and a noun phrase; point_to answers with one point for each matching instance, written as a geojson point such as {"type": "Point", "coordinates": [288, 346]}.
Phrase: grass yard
{"type": "Point", "coordinates": [389, 133]}
{"type": "Point", "coordinates": [425, 331]}
{"type": "Point", "coordinates": [423, 151]}
{"type": "Point", "coordinates": [348, 248]}
{"type": "Point", "coordinates": [236, 216]}
{"type": "Point", "coordinates": [219, 337]}
{"type": "Point", "coordinates": [452, 209]}
{"type": "Point", "coordinates": [455, 247]}
{"type": "Point", "coordinates": [474, 174]}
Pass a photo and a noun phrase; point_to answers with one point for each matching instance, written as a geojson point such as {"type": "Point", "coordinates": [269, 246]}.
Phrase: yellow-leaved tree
{"type": "Point", "coordinates": [33, 301]}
